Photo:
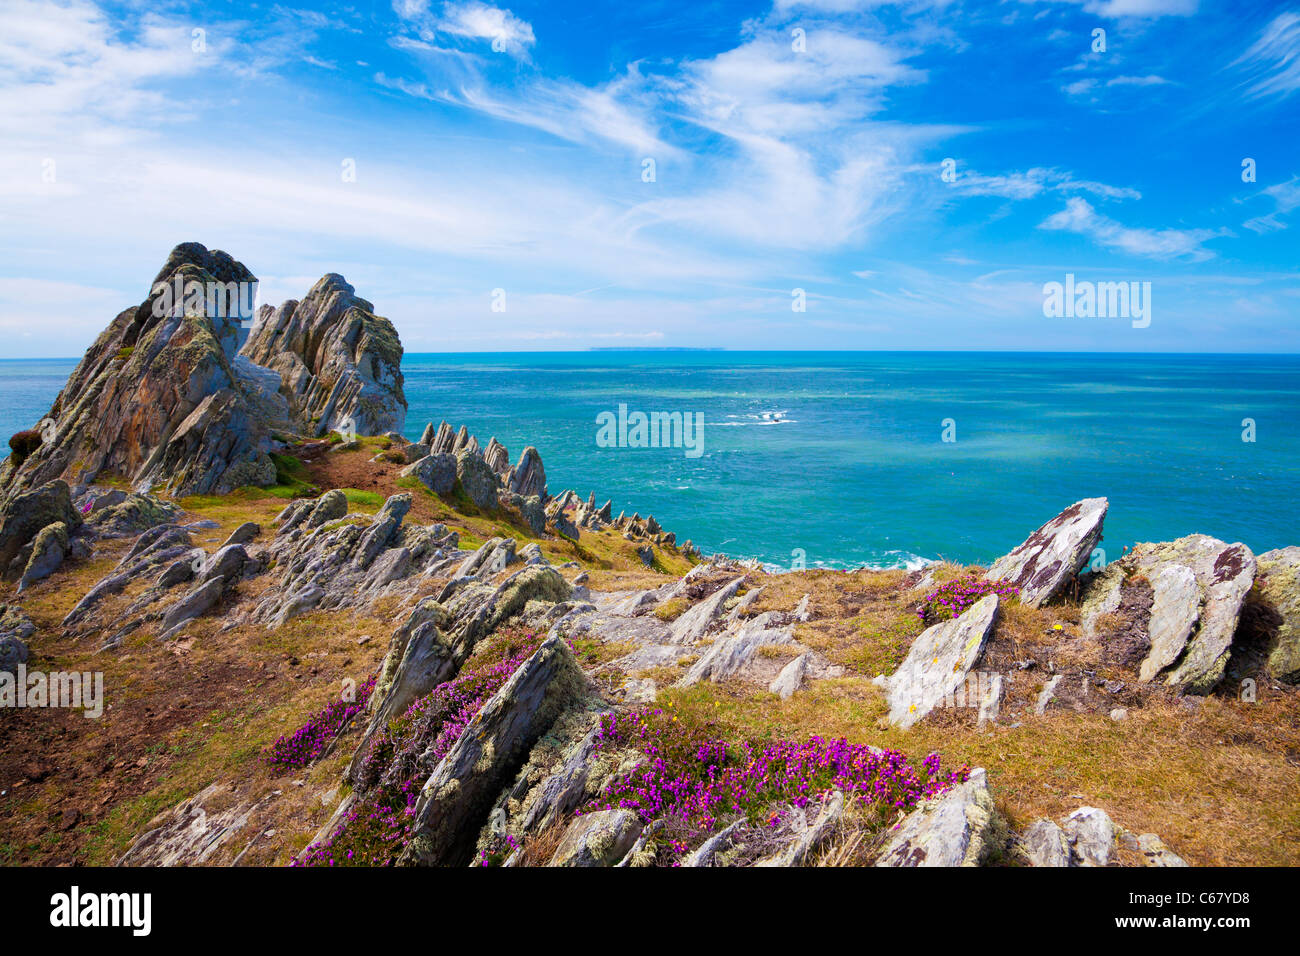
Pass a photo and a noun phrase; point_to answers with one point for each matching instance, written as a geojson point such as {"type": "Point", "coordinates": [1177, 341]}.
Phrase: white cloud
{"type": "Point", "coordinates": [473, 20]}
{"type": "Point", "coordinates": [1275, 58]}
{"type": "Point", "coordinates": [1078, 216]}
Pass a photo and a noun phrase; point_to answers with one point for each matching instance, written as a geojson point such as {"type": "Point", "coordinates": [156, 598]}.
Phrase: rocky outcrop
{"type": "Point", "coordinates": [339, 363]}
{"type": "Point", "coordinates": [1051, 557]}
{"type": "Point", "coordinates": [957, 828]}
{"type": "Point", "coordinates": [324, 559]}
{"type": "Point", "coordinates": [156, 398]}
{"type": "Point", "coordinates": [1199, 585]}
{"type": "Point", "coordinates": [489, 752]}
{"type": "Point", "coordinates": [480, 484]}
{"type": "Point", "coordinates": [939, 661]}
{"type": "Point", "coordinates": [191, 833]}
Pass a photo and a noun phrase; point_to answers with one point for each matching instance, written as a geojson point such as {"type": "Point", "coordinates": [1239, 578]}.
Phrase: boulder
{"type": "Point", "coordinates": [24, 515]}
{"type": "Point", "coordinates": [601, 838]}
{"type": "Point", "coordinates": [244, 534]}
{"type": "Point", "coordinates": [956, 828]}
{"type": "Point", "coordinates": [493, 746]}
{"type": "Point", "coordinates": [939, 661]}
{"type": "Point", "coordinates": [1050, 557]}
{"type": "Point", "coordinates": [48, 550]}
{"type": "Point", "coordinates": [1199, 585]}
{"type": "Point", "coordinates": [1279, 585]}
{"type": "Point", "coordinates": [435, 472]}
{"type": "Point", "coordinates": [477, 480]}
{"type": "Point", "coordinates": [1045, 844]}
{"type": "Point", "coordinates": [15, 628]}
{"type": "Point", "coordinates": [1091, 835]}
{"type": "Point", "coordinates": [133, 514]}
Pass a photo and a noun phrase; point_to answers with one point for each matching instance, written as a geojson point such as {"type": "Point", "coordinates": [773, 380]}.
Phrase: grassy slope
{"type": "Point", "coordinates": [1218, 784]}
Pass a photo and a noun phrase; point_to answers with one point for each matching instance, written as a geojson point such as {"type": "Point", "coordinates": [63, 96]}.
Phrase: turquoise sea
{"type": "Point", "coordinates": [840, 456]}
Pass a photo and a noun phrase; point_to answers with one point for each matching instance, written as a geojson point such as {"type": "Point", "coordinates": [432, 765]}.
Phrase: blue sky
{"type": "Point", "coordinates": [799, 145]}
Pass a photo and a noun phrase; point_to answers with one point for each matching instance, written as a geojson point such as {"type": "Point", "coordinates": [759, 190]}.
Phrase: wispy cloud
{"type": "Point", "coordinates": [1078, 216]}
{"type": "Point", "coordinates": [1274, 58]}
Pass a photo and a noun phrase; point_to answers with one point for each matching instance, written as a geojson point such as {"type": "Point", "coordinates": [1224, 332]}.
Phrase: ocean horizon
{"type": "Point", "coordinates": [883, 459]}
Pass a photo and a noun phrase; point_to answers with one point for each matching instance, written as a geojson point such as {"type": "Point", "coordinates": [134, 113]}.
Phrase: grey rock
{"type": "Point", "coordinates": [1092, 836]}
{"type": "Point", "coordinates": [435, 472]}
{"type": "Point", "coordinates": [695, 623]}
{"type": "Point", "coordinates": [1279, 585]}
{"type": "Point", "coordinates": [24, 515]}
{"type": "Point", "coordinates": [601, 838]}
{"type": "Point", "coordinates": [245, 533]}
{"type": "Point", "coordinates": [488, 754]}
{"type": "Point", "coordinates": [330, 506]}
{"type": "Point", "coordinates": [791, 677]}
{"type": "Point", "coordinates": [195, 603]}
{"type": "Point", "coordinates": [479, 482]}
{"type": "Point", "coordinates": [957, 828]}
{"type": "Point", "coordinates": [1045, 844]}
{"type": "Point", "coordinates": [939, 661]}
{"type": "Point", "coordinates": [48, 550]}
{"type": "Point", "coordinates": [1156, 853]}
{"type": "Point", "coordinates": [1050, 557]}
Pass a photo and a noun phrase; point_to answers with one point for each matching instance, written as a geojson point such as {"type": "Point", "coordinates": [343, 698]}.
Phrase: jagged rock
{"type": "Point", "coordinates": [245, 533]}
{"type": "Point", "coordinates": [1279, 583]}
{"type": "Point", "coordinates": [437, 472]}
{"type": "Point", "coordinates": [497, 457]}
{"type": "Point", "coordinates": [339, 363]}
{"type": "Point", "coordinates": [720, 841]}
{"type": "Point", "coordinates": [24, 515]}
{"type": "Point", "coordinates": [565, 787]}
{"type": "Point", "coordinates": [1044, 844]}
{"type": "Point", "coordinates": [647, 555]}
{"type": "Point", "coordinates": [1199, 585]}
{"type": "Point", "coordinates": [528, 476]}
{"type": "Point", "coordinates": [133, 514]}
{"type": "Point", "coordinates": [48, 550]}
{"type": "Point", "coordinates": [728, 656]}
{"type": "Point", "coordinates": [791, 677]}
{"type": "Point", "coordinates": [601, 838]}
{"type": "Point", "coordinates": [1092, 836]}
{"type": "Point", "coordinates": [939, 661]}
{"type": "Point", "coordinates": [1156, 853]}
{"type": "Point", "coordinates": [489, 752]}
{"type": "Point", "coordinates": [1050, 557]}
{"type": "Point", "coordinates": [156, 398]}
{"type": "Point", "coordinates": [192, 832]}
{"type": "Point", "coordinates": [957, 828]}
{"type": "Point", "coordinates": [195, 603]}
{"type": "Point", "coordinates": [329, 507]}
{"type": "Point", "coordinates": [693, 624]}
{"type": "Point", "coordinates": [479, 482]}
{"type": "Point", "coordinates": [227, 563]}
